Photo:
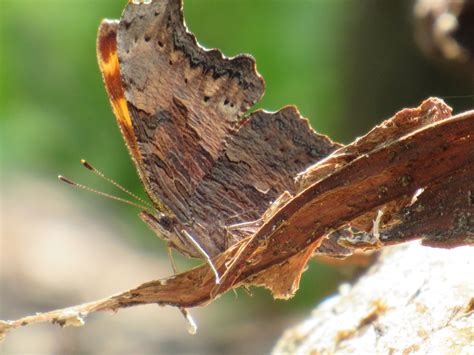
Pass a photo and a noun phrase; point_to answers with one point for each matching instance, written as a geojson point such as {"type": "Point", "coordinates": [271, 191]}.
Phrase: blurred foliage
{"type": "Point", "coordinates": [346, 65]}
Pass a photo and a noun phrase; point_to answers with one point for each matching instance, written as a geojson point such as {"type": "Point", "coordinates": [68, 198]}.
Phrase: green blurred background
{"type": "Point", "coordinates": [346, 64]}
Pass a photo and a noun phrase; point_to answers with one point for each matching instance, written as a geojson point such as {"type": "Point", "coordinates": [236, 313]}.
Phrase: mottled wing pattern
{"type": "Point", "coordinates": [258, 164]}
{"type": "Point", "coordinates": [184, 100]}
{"type": "Point", "coordinates": [180, 108]}
{"type": "Point", "coordinates": [110, 68]}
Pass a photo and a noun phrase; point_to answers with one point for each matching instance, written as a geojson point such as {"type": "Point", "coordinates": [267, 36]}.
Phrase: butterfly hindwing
{"type": "Point", "coordinates": [258, 164]}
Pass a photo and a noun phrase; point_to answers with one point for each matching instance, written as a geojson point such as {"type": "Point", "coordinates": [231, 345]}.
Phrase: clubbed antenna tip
{"type": "Point", "coordinates": [87, 165]}
{"type": "Point", "coordinates": [66, 180]}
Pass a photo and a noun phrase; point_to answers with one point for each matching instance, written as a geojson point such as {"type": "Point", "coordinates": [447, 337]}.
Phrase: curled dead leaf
{"type": "Point", "coordinates": [437, 156]}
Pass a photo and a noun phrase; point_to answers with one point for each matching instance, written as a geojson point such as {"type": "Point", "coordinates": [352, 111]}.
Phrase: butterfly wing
{"type": "Point", "coordinates": [183, 100]}
{"type": "Point", "coordinates": [180, 108]}
{"type": "Point", "coordinates": [258, 164]}
{"type": "Point", "coordinates": [110, 68]}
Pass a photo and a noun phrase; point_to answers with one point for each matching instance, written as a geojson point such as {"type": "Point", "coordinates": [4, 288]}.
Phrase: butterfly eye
{"type": "Point", "coordinates": [166, 222]}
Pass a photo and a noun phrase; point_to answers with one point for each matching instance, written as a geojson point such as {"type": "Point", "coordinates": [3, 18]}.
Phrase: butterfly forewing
{"type": "Point", "coordinates": [183, 99]}
{"type": "Point", "coordinates": [181, 110]}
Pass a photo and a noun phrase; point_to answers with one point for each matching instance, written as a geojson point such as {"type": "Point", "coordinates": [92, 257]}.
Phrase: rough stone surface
{"type": "Point", "coordinates": [413, 300]}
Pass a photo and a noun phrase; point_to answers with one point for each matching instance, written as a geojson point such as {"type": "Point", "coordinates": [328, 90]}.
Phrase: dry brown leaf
{"type": "Point", "coordinates": [438, 157]}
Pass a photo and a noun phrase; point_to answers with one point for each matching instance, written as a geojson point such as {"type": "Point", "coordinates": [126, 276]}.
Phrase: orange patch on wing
{"type": "Point", "coordinates": [110, 68]}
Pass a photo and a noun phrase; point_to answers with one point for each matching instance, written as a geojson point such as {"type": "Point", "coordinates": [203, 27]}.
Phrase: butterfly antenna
{"type": "Point", "coordinates": [85, 188]}
{"type": "Point", "coordinates": [113, 182]}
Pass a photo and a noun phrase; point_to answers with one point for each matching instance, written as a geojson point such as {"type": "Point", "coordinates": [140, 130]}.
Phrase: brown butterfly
{"type": "Point", "coordinates": [210, 169]}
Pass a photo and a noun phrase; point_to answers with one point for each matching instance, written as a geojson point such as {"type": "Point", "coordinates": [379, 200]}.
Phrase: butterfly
{"type": "Point", "coordinates": [210, 168]}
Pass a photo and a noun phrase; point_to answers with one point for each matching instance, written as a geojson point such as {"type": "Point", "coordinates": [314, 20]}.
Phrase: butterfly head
{"type": "Point", "coordinates": [163, 225]}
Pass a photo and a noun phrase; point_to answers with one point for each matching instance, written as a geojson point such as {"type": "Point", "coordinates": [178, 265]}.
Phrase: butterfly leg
{"type": "Point", "coordinates": [203, 253]}
{"type": "Point", "coordinates": [171, 258]}
{"type": "Point", "coordinates": [232, 262]}
{"type": "Point", "coordinates": [248, 228]}
{"type": "Point", "coordinates": [192, 327]}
